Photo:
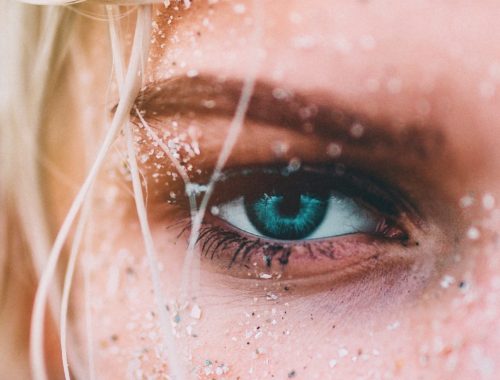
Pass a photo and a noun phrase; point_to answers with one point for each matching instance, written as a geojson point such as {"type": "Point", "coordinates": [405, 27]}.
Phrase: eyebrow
{"type": "Point", "coordinates": [312, 113]}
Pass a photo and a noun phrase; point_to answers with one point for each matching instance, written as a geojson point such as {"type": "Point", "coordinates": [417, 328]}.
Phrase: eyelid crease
{"type": "Point", "coordinates": [205, 94]}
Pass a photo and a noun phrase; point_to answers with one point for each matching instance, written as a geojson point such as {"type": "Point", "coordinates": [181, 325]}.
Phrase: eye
{"type": "Point", "coordinates": [297, 214]}
{"type": "Point", "coordinates": [269, 218]}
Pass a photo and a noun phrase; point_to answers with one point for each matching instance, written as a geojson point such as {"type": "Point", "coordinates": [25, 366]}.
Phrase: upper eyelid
{"type": "Point", "coordinates": [168, 97]}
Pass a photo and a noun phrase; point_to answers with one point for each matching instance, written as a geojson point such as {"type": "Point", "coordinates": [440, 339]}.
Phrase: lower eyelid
{"type": "Point", "coordinates": [248, 257]}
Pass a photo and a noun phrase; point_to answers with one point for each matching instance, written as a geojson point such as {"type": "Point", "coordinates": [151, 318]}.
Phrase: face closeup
{"type": "Point", "coordinates": [352, 230]}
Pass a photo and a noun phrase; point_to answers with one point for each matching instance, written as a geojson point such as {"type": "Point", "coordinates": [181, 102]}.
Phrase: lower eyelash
{"type": "Point", "coordinates": [214, 239]}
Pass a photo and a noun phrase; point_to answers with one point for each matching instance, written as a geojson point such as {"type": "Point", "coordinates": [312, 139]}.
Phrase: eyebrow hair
{"type": "Point", "coordinates": [272, 104]}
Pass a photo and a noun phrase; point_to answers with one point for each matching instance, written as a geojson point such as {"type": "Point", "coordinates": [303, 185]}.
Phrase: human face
{"type": "Point", "coordinates": [384, 116]}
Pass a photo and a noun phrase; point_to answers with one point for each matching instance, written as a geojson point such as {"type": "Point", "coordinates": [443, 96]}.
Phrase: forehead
{"type": "Point", "coordinates": [433, 63]}
{"type": "Point", "coordinates": [351, 48]}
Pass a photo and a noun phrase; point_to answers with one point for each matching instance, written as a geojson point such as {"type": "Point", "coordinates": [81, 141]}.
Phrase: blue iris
{"type": "Point", "coordinates": [289, 216]}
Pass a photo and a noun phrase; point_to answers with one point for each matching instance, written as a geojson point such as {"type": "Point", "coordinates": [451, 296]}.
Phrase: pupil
{"type": "Point", "coordinates": [290, 216]}
{"type": "Point", "coordinates": [290, 205]}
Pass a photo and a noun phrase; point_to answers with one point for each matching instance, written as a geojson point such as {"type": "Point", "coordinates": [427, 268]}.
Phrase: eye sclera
{"type": "Point", "coordinates": [345, 190]}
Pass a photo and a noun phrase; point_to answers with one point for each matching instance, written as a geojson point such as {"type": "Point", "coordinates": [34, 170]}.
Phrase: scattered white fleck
{"type": "Point", "coordinates": [113, 281]}
{"type": "Point", "coordinates": [304, 42]}
{"type": "Point", "coordinates": [332, 363]}
{"type": "Point", "coordinates": [294, 165]}
{"type": "Point", "coordinates": [446, 281]}
{"type": "Point", "coordinates": [343, 352]}
{"type": "Point", "coordinates": [466, 201]}
{"type": "Point", "coordinates": [258, 335]}
{"type": "Point", "coordinates": [271, 296]}
{"type": "Point", "coordinates": [172, 195]}
{"type": "Point", "coordinates": [357, 130]}
{"type": "Point", "coordinates": [265, 276]}
{"type": "Point", "coordinates": [367, 42]}
{"type": "Point", "coordinates": [260, 351]}
{"type": "Point", "coordinates": [473, 233]}
{"type": "Point", "coordinates": [280, 93]}
{"type": "Point", "coordinates": [488, 201]}
{"type": "Point", "coordinates": [393, 326]}
{"type": "Point", "coordinates": [483, 363]}
{"type": "Point", "coordinates": [195, 188]}
{"type": "Point", "coordinates": [334, 150]}
{"type": "Point", "coordinates": [214, 210]}
{"type": "Point", "coordinates": [280, 148]}
{"type": "Point", "coordinates": [195, 312]}
{"type": "Point", "coordinates": [239, 8]}
{"type": "Point", "coordinates": [192, 73]}
{"type": "Point", "coordinates": [208, 103]}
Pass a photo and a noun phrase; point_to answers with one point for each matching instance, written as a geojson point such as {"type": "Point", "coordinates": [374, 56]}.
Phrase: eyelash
{"type": "Point", "coordinates": [237, 248]}
{"type": "Point", "coordinates": [213, 237]}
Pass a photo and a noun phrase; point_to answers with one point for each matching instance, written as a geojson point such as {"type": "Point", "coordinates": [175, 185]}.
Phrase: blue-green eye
{"type": "Point", "coordinates": [298, 214]}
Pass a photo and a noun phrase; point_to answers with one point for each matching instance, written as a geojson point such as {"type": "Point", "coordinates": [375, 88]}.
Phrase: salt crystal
{"type": "Point", "coordinates": [294, 164]}
{"type": "Point", "coordinates": [265, 276]}
{"type": "Point", "coordinates": [271, 296]}
{"type": "Point", "coordinates": [332, 363]}
{"type": "Point", "coordinates": [473, 233]}
{"type": "Point", "coordinates": [239, 8]}
{"type": "Point", "coordinates": [280, 93]}
{"type": "Point", "coordinates": [357, 130]}
{"type": "Point", "coordinates": [195, 312]}
{"type": "Point", "coordinates": [334, 150]}
{"type": "Point", "coordinates": [304, 42]}
{"type": "Point", "coordinates": [466, 201]}
{"type": "Point", "coordinates": [393, 326]}
{"type": "Point", "coordinates": [488, 201]}
{"type": "Point", "coordinates": [342, 352]}
{"type": "Point", "coordinates": [447, 281]}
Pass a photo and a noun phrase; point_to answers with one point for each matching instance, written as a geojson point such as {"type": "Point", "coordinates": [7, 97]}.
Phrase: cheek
{"type": "Point", "coordinates": [257, 331]}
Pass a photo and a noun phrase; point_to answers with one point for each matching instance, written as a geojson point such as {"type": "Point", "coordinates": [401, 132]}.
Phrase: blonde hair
{"type": "Point", "coordinates": [35, 43]}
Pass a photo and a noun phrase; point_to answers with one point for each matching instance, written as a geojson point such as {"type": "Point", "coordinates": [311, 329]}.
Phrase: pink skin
{"type": "Point", "coordinates": [399, 63]}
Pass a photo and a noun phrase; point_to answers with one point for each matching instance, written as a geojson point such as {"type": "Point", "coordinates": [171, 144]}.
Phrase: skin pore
{"type": "Point", "coordinates": [403, 95]}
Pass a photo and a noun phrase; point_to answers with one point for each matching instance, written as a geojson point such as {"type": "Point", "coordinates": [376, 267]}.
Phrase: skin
{"type": "Point", "coordinates": [428, 311]}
